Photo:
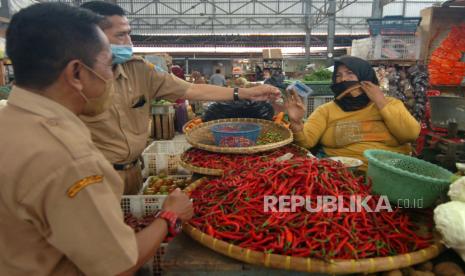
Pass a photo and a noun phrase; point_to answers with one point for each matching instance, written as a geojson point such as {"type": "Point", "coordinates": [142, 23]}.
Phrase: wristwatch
{"type": "Point", "coordinates": [174, 223]}
{"type": "Point", "coordinates": [236, 94]}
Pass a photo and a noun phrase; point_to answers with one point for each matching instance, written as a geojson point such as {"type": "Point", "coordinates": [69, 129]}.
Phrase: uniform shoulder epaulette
{"type": "Point", "coordinates": [142, 60]}
{"type": "Point", "coordinates": [82, 183]}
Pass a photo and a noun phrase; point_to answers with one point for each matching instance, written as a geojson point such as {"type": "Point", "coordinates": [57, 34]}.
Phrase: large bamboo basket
{"type": "Point", "coordinates": [217, 172]}
{"type": "Point", "coordinates": [367, 265]}
{"type": "Point", "coordinates": [201, 137]}
{"type": "Point", "coordinates": [337, 266]}
{"type": "Point", "coordinates": [200, 170]}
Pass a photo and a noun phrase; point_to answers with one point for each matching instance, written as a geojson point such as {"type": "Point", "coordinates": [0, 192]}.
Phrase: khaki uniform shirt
{"type": "Point", "coordinates": [46, 151]}
{"type": "Point", "coordinates": [121, 132]}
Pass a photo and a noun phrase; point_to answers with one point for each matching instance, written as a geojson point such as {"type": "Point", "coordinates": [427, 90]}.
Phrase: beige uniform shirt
{"type": "Point", "coordinates": [45, 151]}
{"type": "Point", "coordinates": [121, 132]}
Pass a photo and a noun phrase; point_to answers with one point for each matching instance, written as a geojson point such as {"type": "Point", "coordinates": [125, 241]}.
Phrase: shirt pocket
{"type": "Point", "coordinates": [138, 114]}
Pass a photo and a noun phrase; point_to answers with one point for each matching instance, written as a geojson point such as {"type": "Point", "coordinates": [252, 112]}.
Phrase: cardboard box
{"type": "Point", "coordinates": [272, 54]}
{"type": "Point", "coordinates": [435, 25]}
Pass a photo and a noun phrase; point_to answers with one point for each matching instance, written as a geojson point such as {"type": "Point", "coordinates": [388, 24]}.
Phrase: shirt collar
{"type": "Point", "coordinates": [119, 71]}
{"type": "Point", "coordinates": [42, 106]}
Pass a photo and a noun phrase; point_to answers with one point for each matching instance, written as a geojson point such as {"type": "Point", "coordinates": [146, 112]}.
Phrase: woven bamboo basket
{"type": "Point", "coordinates": [184, 127]}
{"type": "Point", "coordinates": [336, 266]}
{"type": "Point", "coordinates": [367, 265]}
{"type": "Point", "coordinates": [217, 172]}
{"type": "Point", "coordinates": [201, 170]}
{"type": "Point", "coordinates": [201, 137]}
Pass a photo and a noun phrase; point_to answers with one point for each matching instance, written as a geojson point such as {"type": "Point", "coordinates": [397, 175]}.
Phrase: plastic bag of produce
{"type": "Point", "coordinates": [450, 222]}
{"type": "Point", "coordinates": [238, 109]}
{"type": "Point", "coordinates": [450, 218]}
{"type": "Point", "coordinates": [457, 190]}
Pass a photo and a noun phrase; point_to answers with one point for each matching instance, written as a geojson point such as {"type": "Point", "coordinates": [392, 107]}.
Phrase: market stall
{"type": "Point", "coordinates": [426, 72]}
{"type": "Point", "coordinates": [278, 242]}
{"type": "Point", "coordinates": [231, 234]}
{"type": "Point", "coordinates": [443, 30]}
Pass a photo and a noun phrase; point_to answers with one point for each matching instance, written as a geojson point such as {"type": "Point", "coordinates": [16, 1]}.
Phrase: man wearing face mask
{"type": "Point", "coordinates": [60, 208]}
{"type": "Point", "coordinates": [359, 118]}
{"type": "Point", "coordinates": [121, 133]}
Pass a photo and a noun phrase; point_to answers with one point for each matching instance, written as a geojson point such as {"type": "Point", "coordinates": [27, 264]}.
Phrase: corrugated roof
{"type": "Point", "coordinates": [251, 16]}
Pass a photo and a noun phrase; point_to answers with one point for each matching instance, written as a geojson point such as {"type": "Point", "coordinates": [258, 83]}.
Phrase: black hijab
{"type": "Point", "coordinates": [359, 66]}
{"type": "Point", "coordinates": [364, 72]}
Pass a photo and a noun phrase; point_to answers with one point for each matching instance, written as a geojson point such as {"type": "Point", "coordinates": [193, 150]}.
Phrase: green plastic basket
{"type": "Point", "coordinates": [406, 181]}
{"type": "Point", "coordinates": [320, 88]}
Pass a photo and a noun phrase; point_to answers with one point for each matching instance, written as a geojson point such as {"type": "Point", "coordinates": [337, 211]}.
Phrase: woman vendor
{"type": "Point", "coordinates": [359, 118]}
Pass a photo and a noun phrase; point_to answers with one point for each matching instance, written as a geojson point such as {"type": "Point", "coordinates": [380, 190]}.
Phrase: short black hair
{"type": "Point", "coordinates": [43, 38]}
{"type": "Point", "coordinates": [218, 71]}
{"type": "Point", "coordinates": [104, 8]}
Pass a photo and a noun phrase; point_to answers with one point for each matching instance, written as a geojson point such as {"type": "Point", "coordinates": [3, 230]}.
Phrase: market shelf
{"type": "Point", "coordinates": [399, 62]}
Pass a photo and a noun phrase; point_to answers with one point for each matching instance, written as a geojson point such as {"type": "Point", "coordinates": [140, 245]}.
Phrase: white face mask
{"type": "Point", "coordinates": [98, 105]}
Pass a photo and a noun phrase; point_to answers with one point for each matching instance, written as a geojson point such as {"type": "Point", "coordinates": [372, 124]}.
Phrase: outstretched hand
{"type": "Point", "coordinates": [260, 93]}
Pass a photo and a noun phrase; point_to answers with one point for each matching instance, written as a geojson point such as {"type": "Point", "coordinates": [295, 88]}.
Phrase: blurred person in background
{"type": "Point", "coordinates": [178, 71]}
{"type": "Point", "coordinates": [258, 73]}
{"type": "Point", "coordinates": [197, 78]}
{"type": "Point", "coordinates": [217, 78]}
{"type": "Point", "coordinates": [266, 74]}
{"type": "Point", "coordinates": [276, 79]}
{"type": "Point", "coordinates": [237, 79]}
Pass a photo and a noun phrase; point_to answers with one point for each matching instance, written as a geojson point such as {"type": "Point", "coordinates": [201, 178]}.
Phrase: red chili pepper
{"type": "Point", "coordinates": [210, 230]}
{"type": "Point", "coordinates": [289, 236]}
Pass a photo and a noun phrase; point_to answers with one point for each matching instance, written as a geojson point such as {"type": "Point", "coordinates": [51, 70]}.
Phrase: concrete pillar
{"type": "Point", "coordinates": [331, 30]}
{"type": "Point", "coordinates": [376, 9]}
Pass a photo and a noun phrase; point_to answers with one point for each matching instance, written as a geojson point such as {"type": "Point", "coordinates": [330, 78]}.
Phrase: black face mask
{"type": "Point", "coordinates": [349, 103]}
{"type": "Point", "coordinates": [342, 86]}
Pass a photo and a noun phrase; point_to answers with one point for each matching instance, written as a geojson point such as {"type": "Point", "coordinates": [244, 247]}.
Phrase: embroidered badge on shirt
{"type": "Point", "coordinates": [349, 132]}
{"type": "Point", "coordinates": [81, 184]}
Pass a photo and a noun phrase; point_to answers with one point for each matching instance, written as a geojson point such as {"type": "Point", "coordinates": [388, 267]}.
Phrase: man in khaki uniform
{"type": "Point", "coordinates": [121, 133]}
{"type": "Point", "coordinates": [60, 208]}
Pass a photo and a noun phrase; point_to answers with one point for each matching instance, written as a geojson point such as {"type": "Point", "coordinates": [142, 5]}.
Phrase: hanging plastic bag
{"type": "Point", "coordinates": [238, 109]}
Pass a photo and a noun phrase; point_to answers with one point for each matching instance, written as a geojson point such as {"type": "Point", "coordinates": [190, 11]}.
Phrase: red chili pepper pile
{"type": "Point", "coordinates": [206, 159]}
{"type": "Point", "coordinates": [236, 141]}
{"type": "Point", "coordinates": [446, 66]}
{"type": "Point", "coordinates": [232, 209]}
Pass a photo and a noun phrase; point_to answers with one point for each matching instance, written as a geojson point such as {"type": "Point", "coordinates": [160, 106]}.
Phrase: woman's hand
{"type": "Point", "coordinates": [374, 93]}
{"type": "Point", "coordinates": [295, 110]}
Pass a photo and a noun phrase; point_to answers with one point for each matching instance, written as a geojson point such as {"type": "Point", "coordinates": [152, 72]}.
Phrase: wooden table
{"type": "Point", "coordinates": [184, 256]}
